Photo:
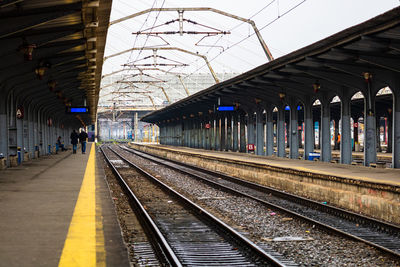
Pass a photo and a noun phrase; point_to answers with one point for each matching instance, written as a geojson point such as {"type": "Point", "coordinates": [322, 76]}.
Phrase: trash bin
{"type": "Point", "coordinates": [313, 155]}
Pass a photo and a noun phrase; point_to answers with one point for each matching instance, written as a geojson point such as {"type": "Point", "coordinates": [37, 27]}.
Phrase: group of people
{"type": "Point", "coordinates": [75, 137]}
{"type": "Point", "coordinates": [81, 137]}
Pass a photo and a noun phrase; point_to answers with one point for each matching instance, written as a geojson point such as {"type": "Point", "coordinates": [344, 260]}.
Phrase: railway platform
{"type": "Point", "coordinates": [372, 191]}
{"type": "Point", "coordinates": [57, 211]}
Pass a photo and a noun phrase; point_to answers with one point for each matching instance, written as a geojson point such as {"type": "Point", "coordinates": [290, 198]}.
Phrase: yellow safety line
{"type": "Point", "coordinates": [81, 244]}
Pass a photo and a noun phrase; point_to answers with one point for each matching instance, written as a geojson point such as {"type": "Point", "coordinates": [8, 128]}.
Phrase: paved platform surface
{"type": "Point", "coordinates": [383, 176]}
{"type": "Point", "coordinates": [57, 207]}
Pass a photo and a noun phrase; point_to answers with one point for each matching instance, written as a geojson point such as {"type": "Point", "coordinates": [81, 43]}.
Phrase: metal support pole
{"type": "Point", "coordinates": [345, 142]}
{"type": "Point", "coordinates": [212, 133]}
{"type": "Point", "coordinates": [250, 128]}
{"type": "Point", "coordinates": [281, 132]}
{"type": "Point", "coordinates": [308, 129]}
{"type": "Point", "coordinates": [235, 132]}
{"type": "Point", "coordinates": [325, 132]}
{"type": "Point", "coordinates": [396, 130]}
{"type": "Point", "coordinates": [242, 147]}
{"type": "Point", "coordinates": [223, 133]}
{"type": "Point", "coordinates": [217, 133]}
{"type": "Point", "coordinates": [259, 132]}
{"type": "Point", "coordinates": [229, 132]}
{"type": "Point", "coordinates": [269, 142]}
{"type": "Point", "coordinates": [294, 132]}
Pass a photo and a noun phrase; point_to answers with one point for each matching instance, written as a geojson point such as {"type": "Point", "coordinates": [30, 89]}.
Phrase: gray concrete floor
{"type": "Point", "coordinates": [37, 200]}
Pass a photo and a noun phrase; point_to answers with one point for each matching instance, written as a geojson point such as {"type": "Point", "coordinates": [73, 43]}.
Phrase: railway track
{"type": "Point", "coordinates": [381, 235]}
{"type": "Point", "coordinates": [184, 233]}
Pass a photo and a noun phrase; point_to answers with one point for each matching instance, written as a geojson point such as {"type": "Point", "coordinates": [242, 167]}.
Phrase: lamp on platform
{"type": "Point", "coordinates": [367, 76]}
{"type": "Point", "coordinates": [52, 85]}
{"type": "Point", "coordinates": [316, 87]}
{"type": "Point", "coordinates": [41, 69]}
{"type": "Point", "coordinates": [27, 49]}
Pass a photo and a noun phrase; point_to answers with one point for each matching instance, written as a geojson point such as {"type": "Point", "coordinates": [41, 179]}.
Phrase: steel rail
{"type": "Point", "coordinates": [245, 242]}
{"type": "Point", "coordinates": [145, 218]}
{"type": "Point", "coordinates": [343, 214]}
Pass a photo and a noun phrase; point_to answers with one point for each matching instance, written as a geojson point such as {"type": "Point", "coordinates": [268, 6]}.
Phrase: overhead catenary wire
{"type": "Point", "coordinates": [235, 44]}
{"type": "Point", "coordinates": [263, 27]}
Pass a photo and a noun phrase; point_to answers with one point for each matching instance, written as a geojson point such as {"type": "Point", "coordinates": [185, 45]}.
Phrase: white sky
{"type": "Point", "coordinates": [284, 31]}
{"type": "Point", "coordinates": [311, 21]}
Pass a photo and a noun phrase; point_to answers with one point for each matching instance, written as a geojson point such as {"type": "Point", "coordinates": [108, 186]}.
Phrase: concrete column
{"type": "Point", "coordinates": [235, 135]}
{"type": "Point", "coordinates": [223, 133]}
{"type": "Point", "coordinates": [281, 132]}
{"type": "Point", "coordinates": [250, 128]}
{"type": "Point", "coordinates": [260, 132]}
{"type": "Point", "coordinates": [242, 147]}
{"type": "Point", "coordinates": [308, 129]}
{"type": "Point", "coordinates": [326, 154]}
{"type": "Point", "coordinates": [369, 131]}
{"type": "Point", "coordinates": [345, 139]}
{"type": "Point", "coordinates": [269, 139]}
{"type": "Point", "coordinates": [229, 132]}
{"type": "Point", "coordinates": [293, 132]}
{"type": "Point", "coordinates": [396, 129]}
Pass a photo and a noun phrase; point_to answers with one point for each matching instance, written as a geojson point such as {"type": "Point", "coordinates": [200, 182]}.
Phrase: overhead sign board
{"type": "Point", "coordinates": [77, 109]}
{"type": "Point", "coordinates": [225, 108]}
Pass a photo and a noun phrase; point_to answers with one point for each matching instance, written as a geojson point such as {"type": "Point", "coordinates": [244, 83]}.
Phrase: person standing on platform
{"type": "Point", "coordinates": [82, 139]}
{"type": "Point", "coordinates": [74, 141]}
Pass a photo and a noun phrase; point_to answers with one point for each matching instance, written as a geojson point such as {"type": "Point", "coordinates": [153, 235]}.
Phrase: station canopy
{"type": "Point", "coordinates": [52, 53]}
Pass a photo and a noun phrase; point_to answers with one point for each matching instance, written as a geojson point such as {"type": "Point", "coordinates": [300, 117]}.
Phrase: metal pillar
{"type": "Point", "coordinates": [293, 133]}
{"type": "Point", "coordinates": [223, 133]}
{"type": "Point", "coordinates": [390, 130]}
{"type": "Point", "coordinates": [269, 127]}
{"type": "Point", "coordinates": [325, 144]}
{"type": "Point", "coordinates": [345, 140]}
{"type": "Point", "coordinates": [281, 132]}
{"type": "Point", "coordinates": [212, 133]}
{"type": "Point", "coordinates": [31, 140]}
{"type": "Point", "coordinates": [229, 132]}
{"type": "Point", "coordinates": [3, 134]}
{"type": "Point", "coordinates": [250, 128]}
{"type": "Point", "coordinates": [396, 129]}
{"type": "Point", "coordinates": [308, 129]}
{"type": "Point", "coordinates": [260, 132]}
{"type": "Point", "coordinates": [217, 133]}
{"type": "Point", "coordinates": [242, 147]}
{"type": "Point", "coordinates": [235, 135]}
{"type": "Point", "coordinates": [369, 131]}
{"type": "Point", "coordinates": [20, 137]}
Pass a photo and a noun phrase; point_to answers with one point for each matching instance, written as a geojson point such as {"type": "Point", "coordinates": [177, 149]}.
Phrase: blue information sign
{"type": "Point", "coordinates": [77, 110]}
{"type": "Point", "coordinates": [226, 108]}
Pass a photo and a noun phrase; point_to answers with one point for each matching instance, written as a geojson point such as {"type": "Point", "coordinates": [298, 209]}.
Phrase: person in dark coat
{"type": "Point", "coordinates": [74, 141]}
{"type": "Point", "coordinates": [60, 144]}
{"type": "Point", "coordinates": [82, 139]}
